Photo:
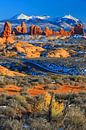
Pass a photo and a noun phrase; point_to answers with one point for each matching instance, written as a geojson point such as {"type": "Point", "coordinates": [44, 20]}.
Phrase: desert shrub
{"type": "Point", "coordinates": [59, 81]}
{"type": "Point", "coordinates": [74, 120]}
{"type": "Point", "coordinates": [3, 99]}
{"type": "Point", "coordinates": [68, 97]}
{"type": "Point", "coordinates": [41, 80]}
{"type": "Point", "coordinates": [11, 125]}
{"type": "Point", "coordinates": [39, 123]}
{"type": "Point", "coordinates": [8, 112]}
{"type": "Point", "coordinates": [19, 103]}
{"type": "Point", "coordinates": [47, 80]}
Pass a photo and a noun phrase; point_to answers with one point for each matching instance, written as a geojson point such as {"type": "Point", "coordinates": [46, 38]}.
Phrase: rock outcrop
{"type": "Point", "coordinates": [6, 72]}
{"type": "Point", "coordinates": [2, 40]}
{"type": "Point", "coordinates": [7, 34]}
{"type": "Point", "coordinates": [58, 53]}
{"type": "Point", "coordinates": [35, 30]}
{"type": "Point", "coordinates": [49, 32]}
{"type": "Point", "coordinates": [20, 29]}
{"type": "Point", "coordinates": [23, 28]}
{"type": "Point", "coordinates": [78, 29]}
{"type": "Point", "coordinates": [64, 33]}
{"type": "Point", "coordinates": [7, 30]}
{"type": "Point", "coordinates": [9, 39]}
{"type": "Point", "coordinates": [29, 50]}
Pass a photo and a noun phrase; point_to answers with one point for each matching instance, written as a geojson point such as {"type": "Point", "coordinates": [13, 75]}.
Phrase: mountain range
{"type": "Point", "coordinates": [55, 23]}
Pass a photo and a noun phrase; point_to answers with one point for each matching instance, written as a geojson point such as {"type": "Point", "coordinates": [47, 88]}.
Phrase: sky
{"type": "Point", "coordinates": [76, 8]}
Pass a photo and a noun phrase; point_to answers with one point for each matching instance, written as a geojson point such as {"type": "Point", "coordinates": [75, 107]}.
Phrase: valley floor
{"type": "Point", "coordinates": [46, 92]}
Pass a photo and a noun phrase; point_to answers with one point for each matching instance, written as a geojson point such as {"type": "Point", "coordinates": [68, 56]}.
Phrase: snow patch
{"type": "Point", "coordinates": [26, 17]}
{"type": "Point", "coordinates": [71, 17]}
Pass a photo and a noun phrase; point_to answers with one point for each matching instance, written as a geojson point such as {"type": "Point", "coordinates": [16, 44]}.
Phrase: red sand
{"type": "Point", "coordinates": [39, 89]}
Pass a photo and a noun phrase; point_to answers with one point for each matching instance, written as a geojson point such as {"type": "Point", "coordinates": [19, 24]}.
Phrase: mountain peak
{"type": "Point", "coordinates": [22, 16]}
{"type": "Point", "coordinates": [71, 17]}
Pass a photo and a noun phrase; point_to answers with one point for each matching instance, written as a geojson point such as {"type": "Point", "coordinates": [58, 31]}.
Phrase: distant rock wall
{"type": "Point", "coordinates": [50, 32]}
{"type": "Point", "coordinates": [35, 30]}
{"type": "Point", "coordinates": [21, 29]}
{"type": "Point", "coordinates": [78, 29]}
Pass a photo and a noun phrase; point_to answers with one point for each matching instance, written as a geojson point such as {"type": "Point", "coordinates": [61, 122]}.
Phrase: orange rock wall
{"type": "Point", "coordinates": [35, 30]}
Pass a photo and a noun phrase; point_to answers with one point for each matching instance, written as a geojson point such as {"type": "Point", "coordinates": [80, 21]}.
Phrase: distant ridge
{"type": "Point", "coordinates": [71, 17]}
{"type": "Point", "coordinates": [54, 23]}
{"type": "Point", "coordinates": [26, 17]}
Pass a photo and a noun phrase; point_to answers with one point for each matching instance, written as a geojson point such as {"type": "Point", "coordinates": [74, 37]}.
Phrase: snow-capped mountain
{"type": "Point", "coordinates": [25, 17]}
{"type": "Point", "coordinates": [67, 21]}
{"type": "Point", "coordinates": [71, 17]}
{"type": "Point", "coordinates": [55, 23]}
{"type": "Point", "coordinates": [21, 17]}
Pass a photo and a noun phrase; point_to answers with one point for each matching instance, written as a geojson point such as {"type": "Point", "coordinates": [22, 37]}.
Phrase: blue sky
{"type": "Point", "coordinates": [77, 8]}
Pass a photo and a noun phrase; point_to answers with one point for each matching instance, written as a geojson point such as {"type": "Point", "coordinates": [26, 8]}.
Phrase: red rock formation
{"type": "Point", "coordinates": [78, 29]}
{"type": "Point", "coordinates": [35, 30]}
{"type": "Point", "coordinates": [7, 34]}
{"type": "Point", "coordinates": [64, 33]}
{"type": "Point", "coordinates": [48, 32]}
{"type": "Point", "coordinates": [7, 30]}
{"type": "Point", "coordinates": [72, 31]}
{"type": "Point", "coordinates": [21, 29]}
{"type": "Point", "coordinates": [18, 30]}
{"type": "Point", "coordinates": [32, 30]}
